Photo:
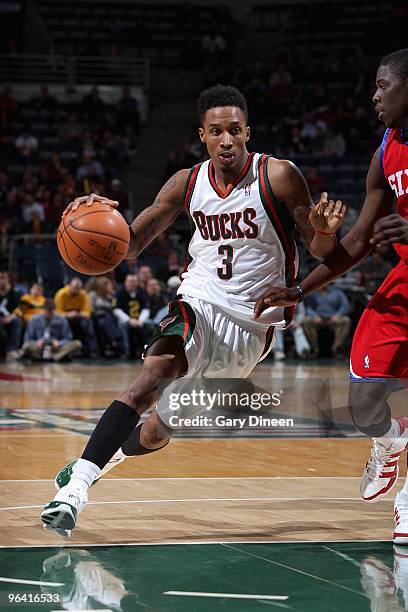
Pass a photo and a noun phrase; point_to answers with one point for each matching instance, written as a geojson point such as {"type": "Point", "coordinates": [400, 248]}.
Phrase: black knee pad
{"type": "Point", "coordinates": [368, 407]}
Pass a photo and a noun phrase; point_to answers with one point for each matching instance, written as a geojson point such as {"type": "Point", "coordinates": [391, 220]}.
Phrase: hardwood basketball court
{"type": "Point", "coordinates": [222, 523]}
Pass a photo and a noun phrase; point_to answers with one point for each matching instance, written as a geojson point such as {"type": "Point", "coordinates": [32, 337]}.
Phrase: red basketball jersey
{"type": "Point", "coordinates": [394, 164]}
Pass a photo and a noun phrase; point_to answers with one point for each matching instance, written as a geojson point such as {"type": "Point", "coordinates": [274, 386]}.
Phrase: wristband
{"type": "Point", "coordinates": [301, 295]}
{"type": "Point", "coordinates": [321, 233]}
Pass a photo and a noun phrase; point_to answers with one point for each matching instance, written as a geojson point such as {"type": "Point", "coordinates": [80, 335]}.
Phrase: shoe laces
{"type": "Point", "coordinates": [380, 455]}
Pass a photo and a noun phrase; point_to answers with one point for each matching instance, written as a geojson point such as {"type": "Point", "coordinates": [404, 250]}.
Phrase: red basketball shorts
{"type": "Point", "coordinates": [380, 343]}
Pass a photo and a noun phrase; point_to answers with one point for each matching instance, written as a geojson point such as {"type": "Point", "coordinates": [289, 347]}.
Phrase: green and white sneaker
{"type": "Point", "coordinates": [64, 475]}
{"type": "Point", "coordinates": [60, 515]}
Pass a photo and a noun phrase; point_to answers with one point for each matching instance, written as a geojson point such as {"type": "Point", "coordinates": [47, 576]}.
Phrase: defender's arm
{"type": "Point", "coordinates": [352, 248]}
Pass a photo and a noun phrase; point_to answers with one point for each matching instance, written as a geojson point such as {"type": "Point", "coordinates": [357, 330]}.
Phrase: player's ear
{"type": "Point", "coordinates": [201, 134]}
{"type": "Point", "coordinates": [248, 133]}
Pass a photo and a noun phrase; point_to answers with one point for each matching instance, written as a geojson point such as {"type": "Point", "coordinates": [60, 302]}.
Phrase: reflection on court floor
{"type": "Point", "coordinates": [303, 577]}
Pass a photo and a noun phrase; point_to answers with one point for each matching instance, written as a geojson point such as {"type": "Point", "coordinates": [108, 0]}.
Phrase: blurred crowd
{"type": "Point", "coordinates": [102, 318]}
{"type": "Point", "coordinates": [114, 316]}
{"type": "Point", "coordinates": [50, 152]}
{"type": "Point", "coordinates": [315, 111]}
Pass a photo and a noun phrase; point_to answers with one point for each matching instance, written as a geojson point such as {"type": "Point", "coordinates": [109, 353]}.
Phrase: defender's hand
{"type": "Point", "coordinates": [89, 200]}
{"type": "Point", "coordinates": [276, 296]}
{"type": "Point", "coordinates": [389, 230]}
{"type": "Point", "coordinates": [327, 215]}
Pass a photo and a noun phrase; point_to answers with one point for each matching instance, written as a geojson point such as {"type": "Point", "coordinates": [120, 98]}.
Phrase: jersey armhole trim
{"type": "Point", "coordinates": [271, 205]}
{"type": "Point", "coordinates": [382, 149]}
{"type": "Point", "coordinates": [189, 187]}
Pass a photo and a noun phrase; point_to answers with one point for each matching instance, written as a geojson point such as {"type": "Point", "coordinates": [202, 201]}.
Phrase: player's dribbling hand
{"type": "Point", "coordinates": [276, 296]}
{"type": "Point", "coordinates": [88, 200]}
{"type": "Point", "coordinates": [389, 230]}
{"type": "Point", "coordinates": [327, 215]}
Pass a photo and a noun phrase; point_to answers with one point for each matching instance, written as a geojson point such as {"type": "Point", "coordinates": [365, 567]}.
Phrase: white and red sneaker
{"type": "Point", "coordinates": [401, 520]}
{"type": "Point", "coordinates": [381, 472]}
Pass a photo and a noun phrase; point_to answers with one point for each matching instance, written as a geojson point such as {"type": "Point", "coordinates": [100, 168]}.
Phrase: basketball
{"type": "Point", "coordinates": [93, 240]}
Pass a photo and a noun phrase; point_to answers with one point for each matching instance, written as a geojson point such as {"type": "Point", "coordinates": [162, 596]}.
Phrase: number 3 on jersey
{"type": "Point", "coordinates": [226, 272]}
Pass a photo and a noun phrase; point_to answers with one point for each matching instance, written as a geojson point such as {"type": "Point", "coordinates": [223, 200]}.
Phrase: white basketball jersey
{"type": "Point", "coordinates": [242, 242]}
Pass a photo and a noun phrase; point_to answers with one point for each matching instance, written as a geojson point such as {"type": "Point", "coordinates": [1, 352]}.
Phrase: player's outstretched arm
{"type": "Point", "coordinates": [154, 219]}
{"type": "Point", "coordinates": [317, 224]}
{"type": "Point", "coordinates": [352, 248]}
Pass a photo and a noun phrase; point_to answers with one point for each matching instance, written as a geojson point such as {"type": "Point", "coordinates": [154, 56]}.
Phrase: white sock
{"type": "Point", "coordinates": [84, 473]}
{"type": "Point", "coordinates": [394, 431]}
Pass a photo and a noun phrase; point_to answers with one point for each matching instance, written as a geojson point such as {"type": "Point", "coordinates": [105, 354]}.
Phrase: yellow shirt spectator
{"type": "Point", "coordinates": [72, 298]}
{"type": "Point", "coordinates": [31, 303]}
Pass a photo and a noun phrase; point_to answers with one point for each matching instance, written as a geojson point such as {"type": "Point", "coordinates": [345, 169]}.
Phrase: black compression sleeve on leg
{"type": "Point", "coordinates": [132, 445]}
{"type": "Point", "coordinates": [110, 432]}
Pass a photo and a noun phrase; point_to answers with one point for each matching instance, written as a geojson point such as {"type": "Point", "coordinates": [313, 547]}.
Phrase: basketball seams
{"type": "Point", "coordinates": [63, 242]}
{"type": "Point", "coordinates": [74, 242]}
{"type": "Point", "coordinates": [101, 261]}
{"type": "Point", "coordinates": [77, 229]}
{"type": "Point", "coordinates": [59, 235]}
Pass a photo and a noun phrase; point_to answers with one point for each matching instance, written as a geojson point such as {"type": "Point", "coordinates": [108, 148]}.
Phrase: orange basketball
{"type": "Point", "coordinates": [93, 239]}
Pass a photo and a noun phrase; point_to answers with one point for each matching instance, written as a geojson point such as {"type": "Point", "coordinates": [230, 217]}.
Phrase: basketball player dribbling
{"type": "Point", "coordinates": [244, 207]}
{"type": "Point", "coordinates": [379, 354]}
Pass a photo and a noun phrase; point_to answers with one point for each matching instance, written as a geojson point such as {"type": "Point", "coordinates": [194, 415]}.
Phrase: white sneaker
{"type": "Point", "coordinates": [381, 472]}
{"type": "Point", "coordinates": [64, 475]}
{"type": "Point", "coordinates": [279, 355]}
{"type": "Point", "coordinates": [401, 520]}
{"type": "Point", "coordinates": [61, 514]}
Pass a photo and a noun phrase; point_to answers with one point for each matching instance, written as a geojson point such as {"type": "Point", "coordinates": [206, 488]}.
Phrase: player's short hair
{"type": "Point", "coordinates": [221, 95]}
{"type": "Point", "coordinates": [397, 62]}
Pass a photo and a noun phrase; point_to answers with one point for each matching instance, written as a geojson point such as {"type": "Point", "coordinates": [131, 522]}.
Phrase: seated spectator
{"type": "Point", "coordinates": [71, 133]}
{"type": "Point", "coordinates": [334, 144]}
{"type": "Point", "coordinates": [118, 194]}
{"type": "Point", "coordinates": [128, 111]}
{"type": "Point", "coordinates": [172, 267]}
{"type": "Point", "coordinates": [72, 302]}
{"type": "Point", "coordinates": [173, 283]}
{"type": "Point", "coordinates": [53, 171]}
{"type": "Point", "coordinates": [32, 303]}
{"type": "Point", "coordinates": [315, 182]}
{"type": "Point", "coordinates": [374, 269]}
{"type": "Point", "coordinates": [48, 337]}
{"type": "Point", "coordinates": [156, 301]}
{"type": "Point", "coordinates": [145, 274]}
{"type": "Point", "coordinates": [3, 343]}
{"type": "Point", "coordinates": [132, 313]}
{"type": "Point", "coordinates": [10, 322]}
{"type": "Point", "coordinates": [45, 101]}
{"type": "Point", "coordinates": [89, 168]}
{"type": "Point", "coordinates": [8, 106]}
{"type": "Point", "coordinates": [328, 308]}
{"type": "Point", "coordinates": [92, 103]}
{"type": "Point", "coordinates": [103, 303]}
{"type": "Point", "coordinates": [11, 213]}
{"type": "Point", "coordinates": [302, 346]}
{"type": "Point", "coordinates": [26, 144]}
{"type": "Point", "coordinates": [5, 187]}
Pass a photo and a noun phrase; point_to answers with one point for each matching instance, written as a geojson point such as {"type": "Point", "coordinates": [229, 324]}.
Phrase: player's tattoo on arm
{"type": "Point", "coordinates": [298, 202]}
{"type": "Point", "coordinates": [155, 218]}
